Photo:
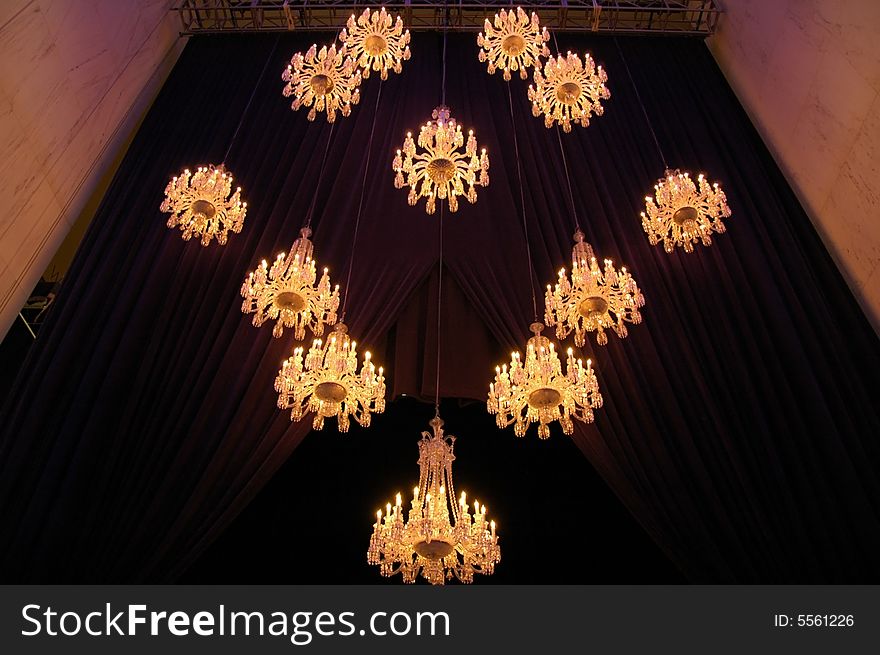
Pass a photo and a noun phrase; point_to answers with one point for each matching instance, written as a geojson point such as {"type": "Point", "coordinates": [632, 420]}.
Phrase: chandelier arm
{"type": "Point", "coordinates": [456, 517]}
{"type": "Point", "coordinates": [357, 222]}
{"type": "Point", "coordinates": [641, 104]}
{"type": "Point", "coordinates": [456, 570]}
{"type": "Point", "coordinates": [308, 223]}
{"type": "Point", "coordinates": [522, 199]}
{"type": "Point", "coordinates": [251, 99]}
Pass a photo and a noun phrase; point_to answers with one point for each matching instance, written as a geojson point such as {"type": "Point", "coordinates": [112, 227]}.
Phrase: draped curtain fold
{"type": "Point", "coordinates": [738, 428]}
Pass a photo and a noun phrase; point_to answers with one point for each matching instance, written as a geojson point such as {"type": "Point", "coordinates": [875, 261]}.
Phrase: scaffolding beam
{"type": "Point", "coordinates": [677, 17]}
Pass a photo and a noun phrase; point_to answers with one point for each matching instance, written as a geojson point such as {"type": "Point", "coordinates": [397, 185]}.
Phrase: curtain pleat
{"type": "Point", "coordinates": [739, 424]}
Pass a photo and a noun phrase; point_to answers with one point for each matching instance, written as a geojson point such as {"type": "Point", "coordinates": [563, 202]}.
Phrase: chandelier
{"type": "Point", "coordinates": [569, 90]}
{"type": "Point", "coordinates": [325, 80]}
{"type": "Point", "coordinates": [326, 381]}
{"type": "Point", "coordinates": [441, 170]}
{"type": "Point", "coordinates": [200, 204]}
{"type": "Point", "coordinates": [376, 43]}
{"type": "Point", "coordinates": [539, 392]}
{"type": "Point", "coordinates": [593, 300]}
{"type": "Point", "coordinates": [439, 538]}
{"type": "Point", "coordinates": [515, 42]}
{"type": "Point", "coordinates": [286, 292]}
{"type": "Point", "coordinates": [682, 214]}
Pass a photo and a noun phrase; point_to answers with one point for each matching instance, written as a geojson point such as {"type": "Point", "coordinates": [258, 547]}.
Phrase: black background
{"type": "Point", "coordinates": [558, 522]}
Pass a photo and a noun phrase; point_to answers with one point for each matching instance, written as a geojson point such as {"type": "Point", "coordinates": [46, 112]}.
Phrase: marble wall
{"type": "Point", "coordinates": [808, 73]}
{"type": "Point", "coordinates": [75, 78]}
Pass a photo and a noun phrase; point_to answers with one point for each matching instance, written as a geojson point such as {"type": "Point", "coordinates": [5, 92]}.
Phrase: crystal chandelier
{"type": "Point", "coordinates": [537, 391]}
{"type": "Point", "coordinates": [439, 538]}
{"type": "Point", "coordinates": [325, 80]}
{"type": "Point", "coordinates": [375, 42]}
{"type": "Point", "coordinates": [593, 300]}
{"type": "Point", "coordinates": [286, 292]}
{"type": "Point", "coordinates": [569, 90]}
{"type": "Point", "coordinates": [326, 381]}
{"type": "Point", "coordinates": [682, 214]}
{"type": "Point", "coordinates": [200, 204]}
{"type": "Point", "coordinates": [514, 42]}
{"type": "Point", "coordinates": [441, 169]}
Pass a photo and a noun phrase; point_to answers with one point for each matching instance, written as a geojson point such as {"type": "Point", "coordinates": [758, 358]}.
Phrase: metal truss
{"type": "Point", "coordinates": [681, 17]}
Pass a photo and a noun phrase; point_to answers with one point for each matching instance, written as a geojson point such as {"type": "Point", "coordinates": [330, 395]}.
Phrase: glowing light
{"type": "Point", "coordinates": [569, 91]}
{"type": "Point", "coordinates": [439, 538]}
{"type": "Point", "coordinates": [441, 169]}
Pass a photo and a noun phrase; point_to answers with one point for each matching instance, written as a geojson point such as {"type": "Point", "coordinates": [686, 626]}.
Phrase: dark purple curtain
{"type": "Point", "coordinates": [738, 426]}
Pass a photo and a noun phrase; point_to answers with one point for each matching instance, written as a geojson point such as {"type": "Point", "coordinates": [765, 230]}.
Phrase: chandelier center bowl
{"type": "Point", "coordinates": [513, 45]}
{"type": "Point", "coordinates": [331, 392]}
{"type": "Point", "coordinates": [568, 92]}
{"type": "Point", "coordinates": [290, 300]}
{"type": "Point", "coordinates": [685, 215]}
{"type": "Point", "coordinates": [433, 550]}
{"type": "Point", "coordinates": [203, 208]}
{"type": "Point", "coordinates": [441, 170]}
{"type": "Point", "coordinates": [375, 45]}
{"type": "Point", "coordinates": [544, 398]}
{"type": "Point", "coordinates": [592, 306]}
{"type": "Point", "coordinates": [321, 84]}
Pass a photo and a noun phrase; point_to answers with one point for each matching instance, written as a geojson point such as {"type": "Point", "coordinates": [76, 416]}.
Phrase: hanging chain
{"type": "Point", "coordinates": [522, 200]}
{"type": "Point", "coordinates": [443, 77]}
{"type": "Point", "coordinates": [439, 302]}
{"type": "Point", "coordinates": [641, 104]}
{"type": "Point", "coordinates": [311, 211]}
{"type": "Point", "coordinates": [251, 99]}
{"type": "Point", "coordinates": [440, 226]}
{"type": "Point", "coordinates": [357, 222]}
{"type": "Point", "coordinates": [574, 214]}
